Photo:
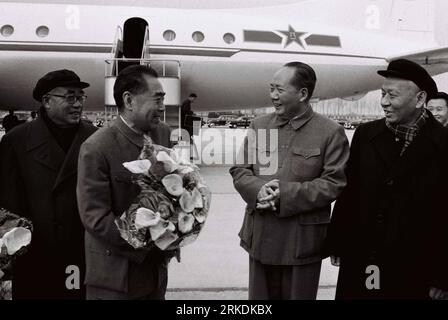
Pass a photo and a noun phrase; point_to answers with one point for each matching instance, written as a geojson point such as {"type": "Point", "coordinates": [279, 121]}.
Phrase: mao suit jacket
{"type": "Point", "coordinates": [311, 153]}
{"type": "Point", "coordinates": [105, 190]}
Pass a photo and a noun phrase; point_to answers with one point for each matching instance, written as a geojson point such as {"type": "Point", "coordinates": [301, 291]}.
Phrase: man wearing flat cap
{"type": "Point", "coordinates": [38, 166]}
{"type": "Point", "coordinates": [387, 228]}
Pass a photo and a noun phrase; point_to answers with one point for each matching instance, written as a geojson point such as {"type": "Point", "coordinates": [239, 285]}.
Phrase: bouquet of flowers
{"type": "Point", "coordinates": [173, 203]}
{"type": "Point", "coordinates": [15, 235]}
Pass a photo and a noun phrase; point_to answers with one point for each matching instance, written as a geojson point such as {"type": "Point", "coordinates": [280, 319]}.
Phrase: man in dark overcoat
{"type": "Point", "coordinates": [386, 230]}
{"type": "Point", "coordinates": [38, 168]}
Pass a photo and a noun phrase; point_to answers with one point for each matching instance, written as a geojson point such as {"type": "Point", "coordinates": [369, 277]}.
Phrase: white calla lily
{"type": "Point", "coordinates": [16, 238]}
{"type": "Point", "coordinates": [168, 163]}
{"type": "Point", "coordinates": [138, 166]}
{"type": "Point", "coordinates": [185, 222]}
{"type": "Point", "coordinates": [160, 228]}
{"type": "Point", "coordinates": [173, 183]}
{"type": "Point", "coordinates": [181, 154]}
{"type": "Point", "coordinates": [197, 198]}
{"type": "Point", "coordinates": [163, 156]}
{"type": "Point", "coordinates": [185, 169]}
{"type": "Point", "coordinates": [175, 155]}
{"type": "Point", "coordinates": [146, 218]}
{"type": "Point", "coordinates": [200, 216]}
{"type": "Point", "coordinates": [190, 200]}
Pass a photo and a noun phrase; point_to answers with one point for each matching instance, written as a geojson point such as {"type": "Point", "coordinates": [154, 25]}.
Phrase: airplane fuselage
{"type": "Point", "coordinates": [225, 74]}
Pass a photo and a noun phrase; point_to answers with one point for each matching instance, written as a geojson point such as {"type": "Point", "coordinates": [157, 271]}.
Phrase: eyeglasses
{"type": "Point", "coordinates": [71, 98]}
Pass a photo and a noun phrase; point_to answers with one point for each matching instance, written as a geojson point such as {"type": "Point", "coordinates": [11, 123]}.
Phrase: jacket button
{"type": "Point", "coordinates": [108, 252]}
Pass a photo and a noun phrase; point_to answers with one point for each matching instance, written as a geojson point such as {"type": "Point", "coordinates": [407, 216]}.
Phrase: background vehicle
{"type": "Point", "coordinates": [349, 126]}
{"type": "Point", "coordinates": [221, 120]}
{"type": "Point", "coordinates": [98, 123]}
{"type": "Point", "coordinates": [241, 122]}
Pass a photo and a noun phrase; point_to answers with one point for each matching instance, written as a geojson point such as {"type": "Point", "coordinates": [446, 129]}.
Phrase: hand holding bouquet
{"type": "Point", "coordinates": [173, 203]}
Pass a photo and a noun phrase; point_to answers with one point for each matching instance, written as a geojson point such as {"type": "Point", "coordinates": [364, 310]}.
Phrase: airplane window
{"type": "Point", "coordinates": [42, 31]}
{"type": "Point", "coordinates": [229, 38]}
{"type": "Point", "coordinates": [198, 36]}
{"type": "Point", "coordinates": [7, 30]}
{"type": "Point", "coordinates": [169, 35]}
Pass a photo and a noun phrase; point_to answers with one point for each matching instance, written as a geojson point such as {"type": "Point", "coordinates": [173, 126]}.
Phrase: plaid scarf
{"type": "Point", "coordinates": [408, 133]}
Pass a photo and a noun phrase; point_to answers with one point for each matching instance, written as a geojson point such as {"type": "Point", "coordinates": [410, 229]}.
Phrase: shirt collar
{"type": "Point", "coordinates": [129, 126]}
{"type": "Point", "coordinates": [130, 133]}
{"type": "Point", "coordinates": [298, 121]}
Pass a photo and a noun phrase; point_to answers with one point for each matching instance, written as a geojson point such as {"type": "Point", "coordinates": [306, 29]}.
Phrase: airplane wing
{"type": "Point", "coordinates": [435, 60]}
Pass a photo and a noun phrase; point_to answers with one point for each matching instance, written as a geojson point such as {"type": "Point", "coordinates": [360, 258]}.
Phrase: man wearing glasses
{"type": "Point", "coordinates": [38, 169]}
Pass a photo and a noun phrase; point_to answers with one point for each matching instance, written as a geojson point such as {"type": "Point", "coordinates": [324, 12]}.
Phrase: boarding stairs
{"type": "Point", "coordinates": [132, 46]}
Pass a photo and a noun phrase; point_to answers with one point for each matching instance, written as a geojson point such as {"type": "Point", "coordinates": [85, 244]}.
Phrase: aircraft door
{"type": "Point", "coordinates": [134, 31]}
{"type": "Point", "coordinates": [133, 37]}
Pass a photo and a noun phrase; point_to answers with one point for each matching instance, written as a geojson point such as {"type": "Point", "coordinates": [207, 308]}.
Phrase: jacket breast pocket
{"type": "Point", "coordinates": [311, 233]}
{"type": "Point", "coordinates": [306, 162]}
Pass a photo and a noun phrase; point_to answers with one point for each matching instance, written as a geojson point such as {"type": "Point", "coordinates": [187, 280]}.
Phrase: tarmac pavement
{"type": "Point", "coordinates": [215, 267]}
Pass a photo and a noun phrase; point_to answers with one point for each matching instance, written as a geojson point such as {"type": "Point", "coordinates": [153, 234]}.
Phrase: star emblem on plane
{"type": "Point", "coordinates": [293, 36]}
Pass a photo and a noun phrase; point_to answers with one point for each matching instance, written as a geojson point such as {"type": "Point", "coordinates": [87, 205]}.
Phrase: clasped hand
{"type": "Point", "coordinates": [269, 195]}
